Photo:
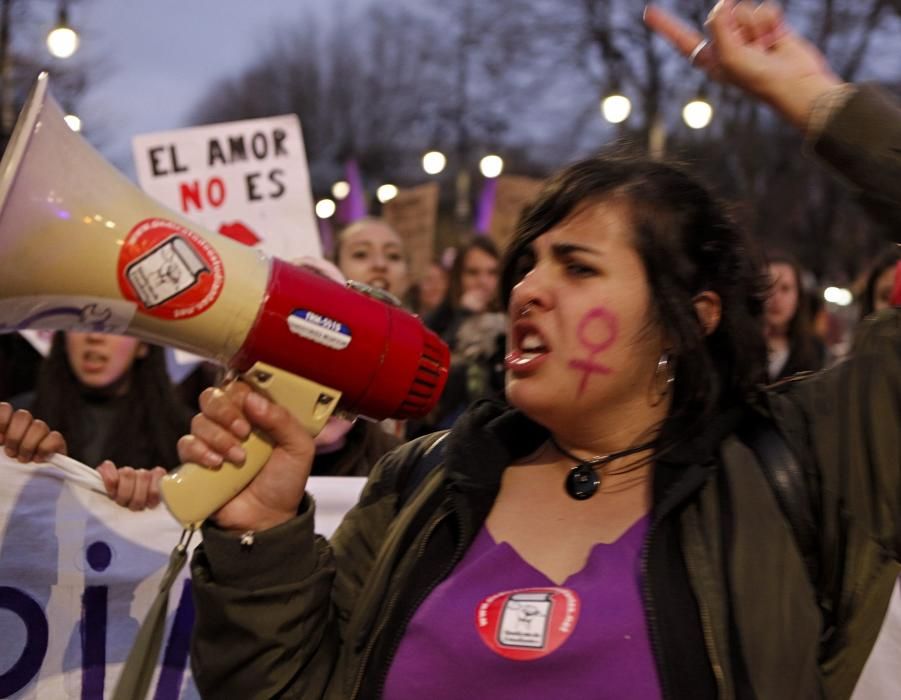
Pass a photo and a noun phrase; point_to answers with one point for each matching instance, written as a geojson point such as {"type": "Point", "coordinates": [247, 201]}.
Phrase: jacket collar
{"type": "Point", "coordinates": [487, 438]}
{"type": "Point", "coordinates": [492, 435]}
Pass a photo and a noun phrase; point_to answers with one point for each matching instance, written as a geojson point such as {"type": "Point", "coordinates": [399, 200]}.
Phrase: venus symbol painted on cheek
{"type": "Point", "coordinates": [597, 332]}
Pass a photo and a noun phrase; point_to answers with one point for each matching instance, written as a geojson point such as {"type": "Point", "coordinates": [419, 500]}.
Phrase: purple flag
{"type": "Point", "coordinates": [326, 237]}
{"type": "Point", "coordinates": [353, 206]}
{"type": "Point", "coordinates": [485, 207]}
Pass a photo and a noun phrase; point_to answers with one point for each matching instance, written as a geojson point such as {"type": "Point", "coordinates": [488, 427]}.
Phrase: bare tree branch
{"type": "Point", "coordinates": [852, 65]}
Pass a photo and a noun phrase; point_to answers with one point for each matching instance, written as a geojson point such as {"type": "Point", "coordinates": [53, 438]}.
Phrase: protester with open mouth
{"type": "Point", "coordinates": [641, 517]}
{"type": "Point", "coordinates": [111, 398]}
{"type": "Point", "coordinates": [372, 252]}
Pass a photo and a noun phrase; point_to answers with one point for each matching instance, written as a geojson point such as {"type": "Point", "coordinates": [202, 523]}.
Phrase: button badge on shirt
{"type": "Point", "coordinates": [527, 623]}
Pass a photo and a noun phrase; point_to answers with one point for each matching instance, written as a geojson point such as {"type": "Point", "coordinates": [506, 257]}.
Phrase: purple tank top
{"type": "Point", "coordinates": [498, 628]}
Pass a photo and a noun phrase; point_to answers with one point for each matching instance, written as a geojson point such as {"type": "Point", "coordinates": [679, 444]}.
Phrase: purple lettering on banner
{"type": "Point", "coordinates": [93, 626]}
{"type": "Point", "coordinates": [606, 321]}
{"type": "Point", "coordinates": [37, 630]}
{"type": "Point", "coordinates": [175, 658]}
{"type": "Point", "coordinates": [93, 642]}
{"type": "Point", "coordinates": [99, 555]}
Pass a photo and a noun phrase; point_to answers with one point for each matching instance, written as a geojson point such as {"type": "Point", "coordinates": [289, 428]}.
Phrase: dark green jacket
{"type": "Point", "coordinates": [730, 606]}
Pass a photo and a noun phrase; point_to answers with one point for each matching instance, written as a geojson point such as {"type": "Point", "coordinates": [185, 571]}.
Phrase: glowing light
{"type": "Point", "coordinates": [386, 193]}
{"type": "Point", "coordinates": [433, 162]}
{"type": "Point", "coordinates": [340, 190]}
{"type": "Point", "coordinates": [73, 122]}
{"type": "Point", "coordinates": [838, 296]}
{"type": "Point", "coordinates": [491, 166]}
{"type": "Point", "coordinates": [616, 108]}
{"type": "Point", "coordinates": [62, 41]}
{"type": "Point", "coordinates": [325, 208]}
{"type": "Point", "coordinates": [697, 113]}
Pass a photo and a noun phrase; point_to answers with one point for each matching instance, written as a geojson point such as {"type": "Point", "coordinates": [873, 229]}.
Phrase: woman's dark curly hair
{"type": "Point", "coordinates": [688, 244]}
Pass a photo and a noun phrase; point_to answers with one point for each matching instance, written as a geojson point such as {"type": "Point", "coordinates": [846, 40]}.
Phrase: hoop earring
{"type": "Point", "coordinates": [664, 376]}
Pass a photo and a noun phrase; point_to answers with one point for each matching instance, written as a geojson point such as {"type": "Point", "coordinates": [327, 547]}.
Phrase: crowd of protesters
{"type": "Point", "coordinates": [702, 339]}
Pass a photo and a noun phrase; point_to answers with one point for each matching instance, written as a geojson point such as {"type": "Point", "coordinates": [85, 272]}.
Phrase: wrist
{"type": "Point", "coordinates": [272, 521]}
{"type": "Point", "coordinates": [260, 522]}
{"type": "Point", "coordinates": [795, 100]}
{"type": "Point", "coordinates": [252, 561]}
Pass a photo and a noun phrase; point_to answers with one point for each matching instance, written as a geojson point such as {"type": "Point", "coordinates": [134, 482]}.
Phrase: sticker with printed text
{"type": "Point", "coordinates": [528, 623]}
{"type": "Point", "coordinates": [319, 329]}
{"type": "Point", "coordinates": [168, 270]}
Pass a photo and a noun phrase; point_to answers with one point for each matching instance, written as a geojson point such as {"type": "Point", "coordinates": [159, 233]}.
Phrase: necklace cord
{"type": "Point", "coordinates": [584, 479]}
{"type": "Point", "coordinates": [600, 460]}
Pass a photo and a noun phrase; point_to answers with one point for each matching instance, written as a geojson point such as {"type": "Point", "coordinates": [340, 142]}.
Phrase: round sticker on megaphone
{"type": "Point", "coordinates": [168, 270]}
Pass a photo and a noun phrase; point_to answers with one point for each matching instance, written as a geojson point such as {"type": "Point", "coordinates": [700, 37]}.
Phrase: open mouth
{"type": "Point", "coordinates": [531, 345]}
{"type": "Point", "coordinates": [93, 361]}
{"type": "Point", "coordinates": [528, 348]}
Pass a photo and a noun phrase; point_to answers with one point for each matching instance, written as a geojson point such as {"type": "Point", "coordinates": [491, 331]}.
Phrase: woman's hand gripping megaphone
{"type": "Point", "coordinates": [214, 476]}
{"type": "Point", "coordinates": [223, 447]}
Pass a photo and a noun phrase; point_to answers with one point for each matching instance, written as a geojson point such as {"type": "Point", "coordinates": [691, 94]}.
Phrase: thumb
{"type": "Point", "coordinates": [110, 476]}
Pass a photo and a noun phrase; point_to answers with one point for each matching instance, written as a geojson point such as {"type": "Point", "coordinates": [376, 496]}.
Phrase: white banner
{"type": "Point", "coordinates": [881, 678]}
{"type": "Point", "coordinates": [78, 574]}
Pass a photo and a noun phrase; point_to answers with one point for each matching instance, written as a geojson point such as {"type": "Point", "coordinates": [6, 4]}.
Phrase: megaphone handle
{"type": "Point", "coordinates": [192, 492]}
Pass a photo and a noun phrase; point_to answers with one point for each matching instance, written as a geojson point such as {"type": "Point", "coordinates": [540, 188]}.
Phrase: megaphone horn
{"type": "Point", "coordinates": [81, 247]}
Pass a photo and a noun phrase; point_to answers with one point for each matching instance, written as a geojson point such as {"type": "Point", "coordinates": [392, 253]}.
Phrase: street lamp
{"type": "Point", "coordinates": [386, 192]}
{"type": "Point", "coordinates": [491, 166]}
{"type": "Point", "coordinates": [434, 162]}
{"type": "Point", "coordinates": [838, 296]}
{"type": "Point", "coordinates": [341, 189]}
{"type": "Point", "coordinates": [698, 112]}
{"type": "Point", "coordinates": [616, 107]}
{"type": "Point", "coordinates": [325, 208]}
{"type": "Point", "coordinates": [62, 41]}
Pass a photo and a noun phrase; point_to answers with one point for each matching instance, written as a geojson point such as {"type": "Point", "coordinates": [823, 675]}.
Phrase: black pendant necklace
{"type": "Point", "coordinates": [584, 480]}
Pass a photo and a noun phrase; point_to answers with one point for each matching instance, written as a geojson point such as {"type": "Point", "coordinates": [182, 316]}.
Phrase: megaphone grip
{"type": "Point", "coordinates": [192, 493]}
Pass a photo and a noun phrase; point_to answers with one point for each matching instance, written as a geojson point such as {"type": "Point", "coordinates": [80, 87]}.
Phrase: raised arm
{"type": "Point", "coordinates": [261, 579]}
{"type": "Point", "coordinates": [855, 129]}
{"type": "Point", "coordinates": [750, 46]}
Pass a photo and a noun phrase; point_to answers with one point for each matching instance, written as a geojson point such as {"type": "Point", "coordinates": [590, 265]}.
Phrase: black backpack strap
{"type": "Point", "coordinates": [415, 473]}
{"type": "Point", "coordinates": [785, 476]}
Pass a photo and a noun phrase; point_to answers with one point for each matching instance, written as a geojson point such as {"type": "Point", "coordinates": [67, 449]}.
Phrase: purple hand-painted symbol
{"type": "Point", "coordinates": [604, 320]}
{"type": "Point", "coordinates": [89, 317]}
